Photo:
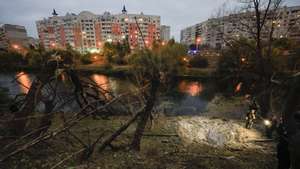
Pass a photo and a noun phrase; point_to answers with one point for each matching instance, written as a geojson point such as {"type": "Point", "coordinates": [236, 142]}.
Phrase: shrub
{"type": "Point", "coordinates": [10, 59]}
{"type": "Point", "coordinates": [198, 62]}
{"type": "Point", "coordinates": [86, 59]}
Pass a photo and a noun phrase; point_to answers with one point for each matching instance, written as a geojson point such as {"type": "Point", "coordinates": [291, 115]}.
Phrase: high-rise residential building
{"type": "Point", "coordinates": [165, 33]}
{"type": "Point", "coordinates": [214, 32]}
{"type": "Point", "coordinates": [13, 36]}
{"type": "Point", "coordinates": [188, 35]}
{"type": "Point", "coordinates": [88, 32]}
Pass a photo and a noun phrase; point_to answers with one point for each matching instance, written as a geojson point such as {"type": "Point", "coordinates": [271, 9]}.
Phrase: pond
{"type": "Point", "coordinates": [184, 96]}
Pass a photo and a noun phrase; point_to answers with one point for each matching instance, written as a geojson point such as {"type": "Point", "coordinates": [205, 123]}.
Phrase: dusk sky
{"type": "Point", "coordinates": [176, 13]}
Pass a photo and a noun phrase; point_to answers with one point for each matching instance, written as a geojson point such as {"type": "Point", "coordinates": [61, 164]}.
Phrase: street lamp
{"type": "Point", "coordinates": [53, 44]}
{"type": "Point", "coordinates": [198, 41]}
{"type": "Point", "coordinates": [16, 47]}
{"type": "Point", "coordinates": [243, 60]}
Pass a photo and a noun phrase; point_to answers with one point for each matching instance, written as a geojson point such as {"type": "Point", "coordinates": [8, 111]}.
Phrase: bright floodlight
{"type": "Point", "coordinates": [267, 122]}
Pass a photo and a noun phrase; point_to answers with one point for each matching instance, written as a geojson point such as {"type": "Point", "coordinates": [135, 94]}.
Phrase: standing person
{"type": "Point", "coordinates": [251, 114]}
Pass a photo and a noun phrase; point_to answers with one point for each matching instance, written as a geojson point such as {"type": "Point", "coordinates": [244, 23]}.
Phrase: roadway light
{"type": "Point", "coordinates": [243, 59]}
{"type": "Point", "coordinates": [267, 123]}
{"type": "Point", "coordinates": [17, 47]}
{"type": "Point", "coordinates": [163, 43]}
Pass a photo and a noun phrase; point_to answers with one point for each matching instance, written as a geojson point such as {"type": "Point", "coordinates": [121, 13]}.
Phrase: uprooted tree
{"type": "Point", "coordinates": [42, 115]}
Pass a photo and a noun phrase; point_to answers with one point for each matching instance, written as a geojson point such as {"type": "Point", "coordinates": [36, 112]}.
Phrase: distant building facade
{"type": "Point", "coordinates": [165, 33]}
{"type": "Point", "coordinates": [88, 32]}
{"type": "Point", "coordinates": [215, 31]}
{"type": "Point", "coordinates": [14, 36]}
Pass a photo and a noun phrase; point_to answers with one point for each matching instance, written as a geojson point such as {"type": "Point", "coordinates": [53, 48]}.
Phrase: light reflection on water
{"type": "Point", "coordinates": [102, 81]}
{"type": "Point", "coordinates": [194, 99]}
{"type": "Point", "coordinates": [24, 82]}
{"type": "Point", "coordinates": [191, 88]}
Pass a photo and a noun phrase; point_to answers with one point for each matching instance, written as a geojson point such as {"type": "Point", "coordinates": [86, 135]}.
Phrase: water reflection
{"type": "Point", "coordinates": [191, 88]}
{"type": "Point", "coordinates": [102, 81]}
{"type": "Point", "coordinates": [188, 97]}
{"type": "Point", "coordinates": [24, 82]}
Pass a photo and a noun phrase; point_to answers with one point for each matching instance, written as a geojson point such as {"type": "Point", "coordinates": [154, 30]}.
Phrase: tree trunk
{"type": "Point", "coordinates": [18, 124]}
{"type": "Point", "coordinates": [46, 120]}
{"type": "Point", "coordinates": [150, 101]}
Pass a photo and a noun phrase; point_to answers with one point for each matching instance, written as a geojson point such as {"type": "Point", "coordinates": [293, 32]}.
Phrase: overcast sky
{"type": "Point", "coordinates": [176, 13]}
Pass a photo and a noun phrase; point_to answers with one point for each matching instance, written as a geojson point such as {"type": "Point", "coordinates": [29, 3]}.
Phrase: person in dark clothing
{"type": "Point", "coordinates": [283, 154]}
{"type": "Point", "coordinates": [251, 114]}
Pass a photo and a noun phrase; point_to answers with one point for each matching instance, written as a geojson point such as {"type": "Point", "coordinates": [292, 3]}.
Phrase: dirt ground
{"type": "Point", "coordinates": [161, 148]}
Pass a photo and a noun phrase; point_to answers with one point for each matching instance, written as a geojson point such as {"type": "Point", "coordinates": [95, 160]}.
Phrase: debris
{"type": "Point", "coordinates": [214, 132]}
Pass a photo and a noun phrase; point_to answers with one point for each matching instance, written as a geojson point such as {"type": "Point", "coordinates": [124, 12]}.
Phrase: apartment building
{"type": "Point", "coordinates": [13, 36]}
{"type": "Point", "coordinates": [215, 31]}
{"type": "Point", "coordinates": [165, 33]}
{"type": "Point", "coordinates": [88, 32]}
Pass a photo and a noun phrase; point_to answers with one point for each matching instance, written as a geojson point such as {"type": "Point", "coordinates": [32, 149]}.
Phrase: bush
{"type": "Point", "coordinates": [11, 59]}
{"type": "Point", "coordinates": [198, 62]}
{"type": "Point", "coordinates": [86, 59]}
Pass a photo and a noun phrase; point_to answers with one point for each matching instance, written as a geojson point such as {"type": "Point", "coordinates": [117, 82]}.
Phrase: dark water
{"type": "Point", "coordinates": [185, 96]}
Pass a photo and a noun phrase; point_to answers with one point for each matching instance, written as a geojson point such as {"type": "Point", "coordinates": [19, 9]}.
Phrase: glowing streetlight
{"type": "Point", "coordinates": [109, 40]}
{"type": "Point", "coordinates": [53, 44]}
{"type": "Point", "coordinates": [243, 59]}
{"type": "Point", "coordinates": [16, 47]}
{"type": "Point", "coordinates": [185, 59]}
{"type": "Point", "coordinates": [163, 43]}
{"type": "Point", "coordinates": [198, 41]}
{"type": "Point", "coordinates": [267, 123]}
